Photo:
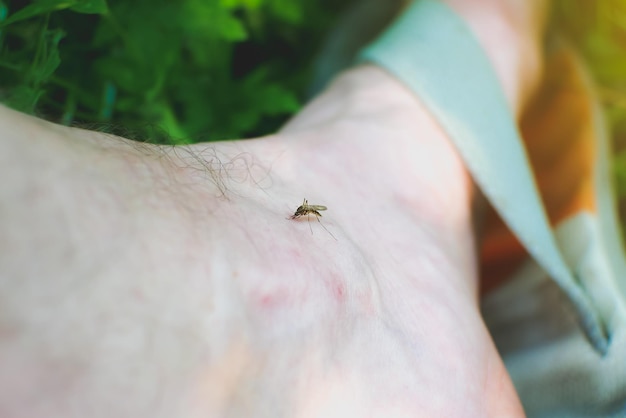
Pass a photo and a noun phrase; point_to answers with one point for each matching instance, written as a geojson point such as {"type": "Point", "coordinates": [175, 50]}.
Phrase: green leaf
{"type": "Point", "coordinates": [231, 28]}
{"type": "Point", "coordinates": [90, 7]}
{"type": "Point", "coordinates": [172, 127]}
{"type": "Point", "coordinates": [125, 73]}
{"type": "Point", "coordinates": [24, 98]}
{"type": "Point", "coordinates": [38, 8]}
{"type": "Point", "coordinates": [248, 4]}
{"type": "Point", "coordinates": [278, 100]}
{"type": "Point", "coordinates": [51, 60]}
{"type": "Point", "coordinates": [210, 21]}
{"type": "Point", "coordinates": [287, 10]}
{"type": "Point", "coordinates": [41, 7]}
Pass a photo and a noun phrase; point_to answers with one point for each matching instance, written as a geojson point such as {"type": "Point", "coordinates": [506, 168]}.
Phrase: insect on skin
{"type": "Point", "coordinates": [306, 209]}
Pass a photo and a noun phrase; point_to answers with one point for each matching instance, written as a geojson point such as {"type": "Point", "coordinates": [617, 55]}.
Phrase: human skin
{"type": "Point", "coordinates": [147, 281]}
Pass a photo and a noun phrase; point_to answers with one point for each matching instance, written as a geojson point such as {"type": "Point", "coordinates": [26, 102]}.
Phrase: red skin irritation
{"type": "Point", "coordinates": [337, 290]}
{"type": "Point", "coordinates": [331, 288]}
{"type": "Point", "coordinates": [138, 295]}
{"type": "Point", "coordinates": [271, 301]}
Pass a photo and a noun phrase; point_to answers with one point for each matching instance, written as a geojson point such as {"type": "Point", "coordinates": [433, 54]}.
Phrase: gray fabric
{"type": "Point", "coordinates": [555, 371]}
{"type": "Point", "coordinates": [609, 225]}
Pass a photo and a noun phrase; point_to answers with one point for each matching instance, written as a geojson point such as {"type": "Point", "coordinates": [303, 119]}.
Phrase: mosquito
{"type": "Point", "coordinates": [306, 209]}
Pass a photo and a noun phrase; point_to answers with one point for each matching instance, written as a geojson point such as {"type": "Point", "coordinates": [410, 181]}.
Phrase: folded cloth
{"type": "Point", "coordinates": [559, 319]}
{"type": "Point", "coordinates": [556, 372]}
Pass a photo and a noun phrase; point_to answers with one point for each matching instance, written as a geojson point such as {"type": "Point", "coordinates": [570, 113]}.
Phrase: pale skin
{"type": "Point", "coordinates": [142, 281]}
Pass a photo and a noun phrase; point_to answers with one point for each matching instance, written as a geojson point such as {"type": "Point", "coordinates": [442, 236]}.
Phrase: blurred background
{"type": "Point", "coordinates": [171, 71]}
{"type": "Point", "coordinates": [598, 30]}
{"type": "Point", "coordinates": [176, 72]}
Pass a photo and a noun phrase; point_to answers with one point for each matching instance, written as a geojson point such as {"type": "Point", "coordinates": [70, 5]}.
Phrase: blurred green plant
{"type": "Point", "coordinates": [598, 29]}
{"type": "Point", "coordinates": [174, 71]}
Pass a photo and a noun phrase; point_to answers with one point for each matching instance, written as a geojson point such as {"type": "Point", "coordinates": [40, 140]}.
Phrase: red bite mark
{"type": "Point", "coordinates": [339, 291]}
{"type": "Point", "coordinates": [337, 288]}
{"type": "Point", "coordinates": [138, 295]}
{"type": "Point", "coordinates": [272, 300]}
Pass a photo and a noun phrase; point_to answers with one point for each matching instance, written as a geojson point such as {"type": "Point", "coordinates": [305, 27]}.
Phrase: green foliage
{"type": "Point", "coordinates": [598, 28]}
{"type": "Point", "coordinates": [196, 69]}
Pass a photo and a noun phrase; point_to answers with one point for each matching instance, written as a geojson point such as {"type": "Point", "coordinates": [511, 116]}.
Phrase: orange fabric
{"type": "Point", "coordinates": [558, 133]}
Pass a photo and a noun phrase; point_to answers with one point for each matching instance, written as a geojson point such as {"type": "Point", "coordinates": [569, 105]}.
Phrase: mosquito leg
{"type": "Point", "coordinates": [318, 220]}
{"type": "Point", "coordinates": [309, 221]}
